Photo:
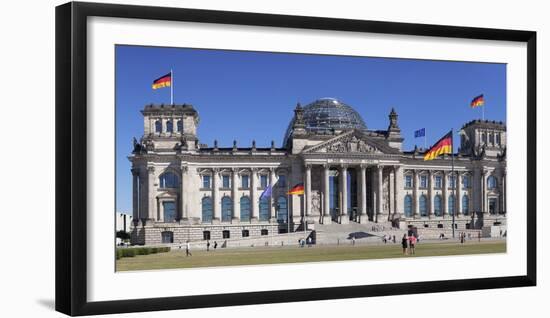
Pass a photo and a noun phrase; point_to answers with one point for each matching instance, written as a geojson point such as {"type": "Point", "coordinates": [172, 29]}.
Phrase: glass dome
{"type": "Point", "coordinates": [327, 114]}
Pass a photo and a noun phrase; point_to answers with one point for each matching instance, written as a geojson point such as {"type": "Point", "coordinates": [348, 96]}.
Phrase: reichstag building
{"type": "Point", "coordinates": [186, 190]}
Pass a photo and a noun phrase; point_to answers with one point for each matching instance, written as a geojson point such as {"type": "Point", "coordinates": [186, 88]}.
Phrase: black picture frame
{"type": "Point", "coordinates": [71, 157]}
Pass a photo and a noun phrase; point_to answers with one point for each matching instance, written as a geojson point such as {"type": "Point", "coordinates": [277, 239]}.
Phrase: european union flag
{"type": "Point", "coordinates": [266, 193]}
{"type": "Point", "coordinates": [420, 133]}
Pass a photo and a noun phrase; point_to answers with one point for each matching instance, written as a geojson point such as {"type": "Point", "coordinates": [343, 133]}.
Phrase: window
{"type": "Point", "coordinates": [246, 233]}
{"type": "Point", "coordinates": [167, 237]}
{"type": "Point", "coordinates": [206, 205]}
{"type": "Point", "coordinates": [169, 209]}
{"type": "Point", "coordinates": [282, 210]}
{"type": "Point", "coordinates": [408, 205]}
{"type": "Point", "coordinates": [466, 184]}
{"type": "Point", "coordinates": [225, 234]}
{"type": "Point", "coordinates": [465, 205]}
{"type": "Point", "coordinates": [158, 126]}
{"type": "Point", "coordinates": [438, 205]}
{"type": "Point", "coordinates": [245, 209]}
{"type": "Point", "coordinates": [491, 182]}
{"type": "Point", "coordinates": [168, 180]}
{"type": "Point", "coordinates": [205, 235]}
{"type": "Point", "coordinates": [264, 209]}
{"type": "Point", "coordinates": [170, 126]}
{"type": "Point", "coordinates": [438, 181]}
{"type": "Point", "coordinates": [497, 137]}
{"type": "Point", "coordinates": [226, 181]}
{"type": "Point", "coordinates": [424, 182]}
{"type": "Point", "coordinates": [451, 206]}
{"type": "Point", "coordinates": [483, 138]}
{"type": "Point", "coordinates": [180, 125]}
{"type": "Point", "coordinates": [423, 205]}
{"type": "Point", "coordinates": [264, 232]}
{"type": "Point", "coordinates": [245, 182]}
{"type": "Point", "coordinates": [227, 209]}
{"type": "Point", "coordinates": [452, 181]}
{"type": "Point", "coordinates": [206, 182]}
{"type": "Point", "coordinates": [408, 181]}
{"type": "Point", "coordinates": [491, 139]}
{"type": "Point", "coordinates": [282, 181]}
{"type": "Point", "coordinates": [263, 180]}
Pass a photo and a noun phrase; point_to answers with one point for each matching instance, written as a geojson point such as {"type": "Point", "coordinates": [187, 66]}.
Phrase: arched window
{"type": "Point", "coordinates": [245, 209]}
{"type": "Point", "coordinates": [491, 182]}
{"type": "Point", "coordinates": [438, 205]}
{"type": "Point", "coordinates": [465, 205]}
{"type": "Point", "coordinates": [158, 126]}
{"type": "Point", "coordinates": [170, 126]}
{"type": "Point", "coordinates": [423, 205]}
{"type": "Point", "coordinates": [169, 180]}
{"type": "Point", "coordinates": [466, 182]}
{"type": "Point", "coordinates": [408, 204]}
{"type": "Point", "coordinates": [282, 210]}
{"type": "Point", "coordinates": [227, 209]}
{"type": "Point", "coordinates": [180, 125]}
{"type": "Point", "coordinates": [206, 209]}
{"type": "Point", "coordinates": [264, 209]}
{"type": "Point", "coordinates": [451, 206]}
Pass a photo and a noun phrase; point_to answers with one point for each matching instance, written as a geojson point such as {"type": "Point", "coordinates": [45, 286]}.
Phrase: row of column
{"type": "Point", "coordinates": [431, 194]}
{"type": "Point", "coordinates": [393, 191]}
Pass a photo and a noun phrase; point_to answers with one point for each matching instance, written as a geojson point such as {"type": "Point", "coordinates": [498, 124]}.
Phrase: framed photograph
{"type": "Point", "coordinates": [212, 158]}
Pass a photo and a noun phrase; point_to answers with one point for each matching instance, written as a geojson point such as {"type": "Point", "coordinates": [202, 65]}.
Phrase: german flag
{"type": "Point", "coordinates": [477, 101]}
{"type": "Point", "coordinates": [444, 145]}
{"type": "Point", "coordinates": [297, 189]}
{"type": "Point", "coordinates": [163, 81]}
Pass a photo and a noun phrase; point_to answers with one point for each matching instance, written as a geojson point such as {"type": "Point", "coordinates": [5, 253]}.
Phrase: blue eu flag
{"type": "Point", "coordinates": [420, 133]}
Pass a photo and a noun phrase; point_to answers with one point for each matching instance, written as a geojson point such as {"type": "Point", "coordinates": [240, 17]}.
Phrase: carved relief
{"type": "Point", "coordinates": [385, 194]}
{"type": "Point", "coordinates": [315, 202]}
{"type": "Point", "coordinates": [350, 145]}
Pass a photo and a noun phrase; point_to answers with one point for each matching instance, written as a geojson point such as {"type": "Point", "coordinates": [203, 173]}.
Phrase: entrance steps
{"type": "Point", "coordinates": [370, 232]}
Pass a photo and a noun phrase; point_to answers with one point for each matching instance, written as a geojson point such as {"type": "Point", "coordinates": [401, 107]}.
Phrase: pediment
{"type": "Point", "coordinates": [351, 142]}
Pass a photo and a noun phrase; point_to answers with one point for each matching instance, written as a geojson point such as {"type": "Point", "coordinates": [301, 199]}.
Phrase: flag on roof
{"type": "Point", "coordinates": [163, 81]}
{"type": "Point", "coordinates": [477, 101]}
{"type": "Point", "coordinates": [442, 146]}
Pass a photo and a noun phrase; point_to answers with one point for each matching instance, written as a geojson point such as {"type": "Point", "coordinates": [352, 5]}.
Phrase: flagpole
{"type": "Point", "coordinates": [172, 87]}
{"type": "Point", "coordinates": [455, 180]}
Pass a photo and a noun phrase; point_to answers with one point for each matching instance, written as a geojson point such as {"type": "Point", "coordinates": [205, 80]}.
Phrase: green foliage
{"type": "Point", "coordinates": [133, 251]}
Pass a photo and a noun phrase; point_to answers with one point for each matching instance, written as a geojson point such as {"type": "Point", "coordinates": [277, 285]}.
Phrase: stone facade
{"type": "Point", "coordinates": [185, 190]}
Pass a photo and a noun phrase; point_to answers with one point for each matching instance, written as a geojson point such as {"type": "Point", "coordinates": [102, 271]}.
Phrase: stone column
{"type": "Point", "coordinates": [135, 195]}
{"type": "Point", "coordinates": [430, 194]}
{"type": "Point", "coordinates": [326, 195]}
{"type": "Point", "coordinates": [458, 195]}
{"type": "Point", "coordinates": [379, 193]}
{"type": "Point", "coordinates": [151, 215]}
{"type": "Point", "coordinates": [216, 203]}
{"type": "Point", "coordinates": [272, 200]}
{"type": "Point", "coordinates": [391, 193]}
{"type": "Point", "coordinates": [344, 191]}
{"type": "Point", "coordinates": [308, 189]}
{"type": "Point", "coordinates": [484, 174]}
{"type": "Point", "coordinates": [399, 192]}
{"type": "Point", "coordinates": [416, 210]}
{"type": "Point", "coordinates": [183, 198]}
{"type": "Point", "coordinates": [255, 202]}
{"type": "Point", "coordinates": [363, 218]}
{"type": "Point", "coordinates": [444, 191]}
{"type": "Point", "coordinates": [234, 194]}
{"type": "Point", "coordinates": [503, 192]}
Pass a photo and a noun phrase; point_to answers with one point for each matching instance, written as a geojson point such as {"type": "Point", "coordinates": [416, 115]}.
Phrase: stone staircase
{"type": "Point", "coordinates": [364, 233]}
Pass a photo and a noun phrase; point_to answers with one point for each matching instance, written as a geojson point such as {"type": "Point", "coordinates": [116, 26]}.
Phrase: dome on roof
{"type": "Point", "coordinates": [328, 114]}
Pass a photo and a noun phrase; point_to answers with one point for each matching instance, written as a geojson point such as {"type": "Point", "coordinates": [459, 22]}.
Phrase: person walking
{"type": "Point", "coordinates": [353, 240]}
{"type": "Point", "coordinates": [207, 245]}
{"type": "Point", "coordinates": [188, 249]}
{"type": "Point", "coordinates": [412, 242]}
{"type": "Point", "coordinates": [404, 244]}
{"type": "Point", "coordinates": [215, 245]}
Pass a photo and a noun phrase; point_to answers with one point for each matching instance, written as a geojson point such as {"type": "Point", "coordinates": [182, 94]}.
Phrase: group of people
{"type": "Point", "coordinates": [408, 242]}
{"type": "Point", "coordinates": [302, 242]}
{"type": "Point", "coordinates": [388, 238]}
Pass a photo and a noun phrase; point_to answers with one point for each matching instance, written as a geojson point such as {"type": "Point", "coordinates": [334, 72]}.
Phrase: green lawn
{"type": "Point", "coordinates": [273, 255]}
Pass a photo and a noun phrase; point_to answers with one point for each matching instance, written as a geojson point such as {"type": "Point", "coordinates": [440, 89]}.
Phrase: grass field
{"type": "Point", "coordinates": [275, 255]}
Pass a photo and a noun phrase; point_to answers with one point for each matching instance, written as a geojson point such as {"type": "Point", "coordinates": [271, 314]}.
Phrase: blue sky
{"type": "Point", "coordinates": [256, 92]}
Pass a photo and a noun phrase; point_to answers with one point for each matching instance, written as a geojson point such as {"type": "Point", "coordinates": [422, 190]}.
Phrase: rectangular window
{"type": "Point", "coordinates": [244, 182]}
{"type": "Point", "coordinates": [206, 182]}
{"type": "Point", "coordinates": [466, 182]}
{"type": "Point", "coordinates": [437, 182]}
{"type": "Point", "coordinates": [408, 181]}
{"type": "Point", "coordinates": [226, 182]}
{"type": "Point", "coordinates": [423, 182]}
{"type": "Point", "coordinates": [282, 181]}
{"type": "Point", "coordinates": [452, 182]}
{"type": "Point", "coordinates": [263, 180]}
{"type": "Point", "coordinates": [225, 234]}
